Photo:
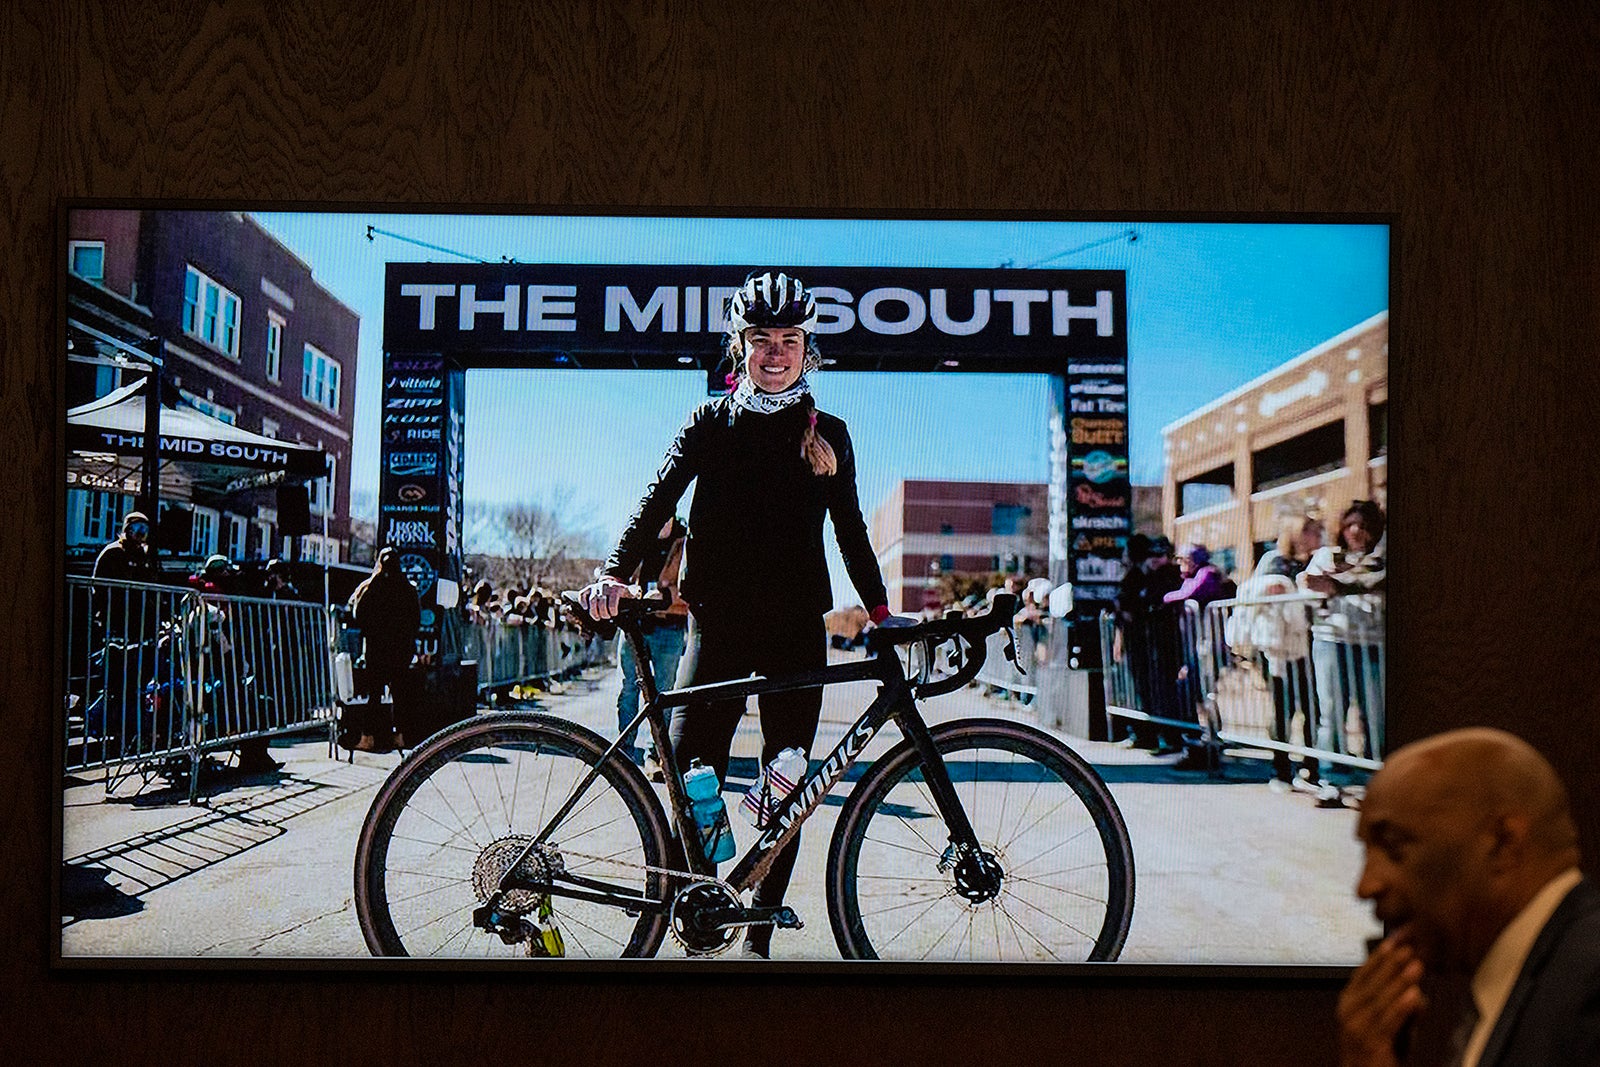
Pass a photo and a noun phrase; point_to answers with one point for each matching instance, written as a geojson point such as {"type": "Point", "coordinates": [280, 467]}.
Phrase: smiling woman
{"type": "Point", "coordinates": [769, 468]}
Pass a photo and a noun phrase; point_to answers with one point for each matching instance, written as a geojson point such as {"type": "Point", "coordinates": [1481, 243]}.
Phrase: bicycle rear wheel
{"type": "Point", "coordinates": [1053, 881]}
{"type": "Point", "coordinates": [453, 818]}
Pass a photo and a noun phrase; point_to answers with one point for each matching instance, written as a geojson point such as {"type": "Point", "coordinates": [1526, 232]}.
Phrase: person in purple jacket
{"type": "Point", "coordinates": [1203, 582]}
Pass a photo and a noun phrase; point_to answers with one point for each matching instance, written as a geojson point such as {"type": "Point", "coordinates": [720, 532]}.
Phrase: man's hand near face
{"type": "Point", "coordinates": [1382, 995]}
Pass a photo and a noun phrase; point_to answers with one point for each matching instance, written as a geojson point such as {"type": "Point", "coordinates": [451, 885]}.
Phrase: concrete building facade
{"type": "Point", "coordinates": [1310, 436]}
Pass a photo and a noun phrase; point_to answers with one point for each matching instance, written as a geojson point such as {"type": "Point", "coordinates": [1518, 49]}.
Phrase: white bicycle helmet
{"type": "Point", "coordinates": [772, 300]}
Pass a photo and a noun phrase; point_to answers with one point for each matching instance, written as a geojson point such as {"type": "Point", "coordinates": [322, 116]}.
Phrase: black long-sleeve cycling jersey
{"type": "Point", "coordinates": [755, 527]}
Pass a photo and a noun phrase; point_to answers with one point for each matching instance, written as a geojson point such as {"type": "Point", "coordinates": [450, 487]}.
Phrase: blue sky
{"type": "Point", "coordinates": [1210, 306]}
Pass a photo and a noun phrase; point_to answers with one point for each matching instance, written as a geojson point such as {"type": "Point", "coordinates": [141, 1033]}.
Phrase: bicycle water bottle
{"type": "Point", "coordinates": [777, 781]}
{"type": "Point", "coordinates": [710, 813]}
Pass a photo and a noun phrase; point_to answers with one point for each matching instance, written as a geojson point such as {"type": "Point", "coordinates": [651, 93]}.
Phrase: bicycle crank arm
{"type": "Point", "coordinates": [783, 917]}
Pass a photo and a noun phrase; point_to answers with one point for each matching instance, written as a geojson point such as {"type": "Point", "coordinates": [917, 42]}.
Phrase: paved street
{"type": "Point", "coordinates": [1228, 870]}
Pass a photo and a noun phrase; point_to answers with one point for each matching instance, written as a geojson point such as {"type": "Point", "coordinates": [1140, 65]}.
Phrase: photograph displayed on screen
{"type": "Point", "coordinates": [953, 591]}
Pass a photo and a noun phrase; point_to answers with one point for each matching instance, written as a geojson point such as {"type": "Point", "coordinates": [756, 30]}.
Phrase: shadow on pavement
{"type": "Point", "coordinates": [86, 894]}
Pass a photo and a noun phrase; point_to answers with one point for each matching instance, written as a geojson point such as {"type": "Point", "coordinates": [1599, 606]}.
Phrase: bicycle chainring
{"type": "Point", "coordinates": [496, 859]}
{"type": "Point", "coordinates": [694, 918]}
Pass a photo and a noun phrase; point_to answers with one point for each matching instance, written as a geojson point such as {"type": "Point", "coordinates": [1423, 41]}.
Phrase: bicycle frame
{"type": "Point", "coordinates": [895, 700]}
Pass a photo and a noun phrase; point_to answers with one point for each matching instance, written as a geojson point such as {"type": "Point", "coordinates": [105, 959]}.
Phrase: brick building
{"type": "Point", "coordinates": [922, 529]}
{"type": "Point", "coordinates": [250, 338]}
{"type": "Point", "coordinates": [1310, 434]}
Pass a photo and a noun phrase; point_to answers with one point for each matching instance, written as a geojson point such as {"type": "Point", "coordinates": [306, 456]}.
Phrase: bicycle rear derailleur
{"type": "Point", "coordinates": [707, 916]}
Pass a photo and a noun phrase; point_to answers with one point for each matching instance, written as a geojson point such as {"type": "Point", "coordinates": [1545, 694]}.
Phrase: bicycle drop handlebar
{"type": "Point", "coordinates": [971, 629]}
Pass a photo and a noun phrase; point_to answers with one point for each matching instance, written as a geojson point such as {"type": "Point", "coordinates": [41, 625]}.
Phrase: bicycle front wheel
{"type": "Point", "coordinates": [1052, 880]}
{"type": "Point", "coordinates": [454, 817]}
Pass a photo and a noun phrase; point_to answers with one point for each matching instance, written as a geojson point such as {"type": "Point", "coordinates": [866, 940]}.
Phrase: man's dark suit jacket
{"type": "Point", "coordinates": [1552, 1018]}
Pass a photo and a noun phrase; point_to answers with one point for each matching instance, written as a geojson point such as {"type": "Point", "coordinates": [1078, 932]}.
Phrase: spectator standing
{"type": "Point", "coordinates": [129, 557]}
{"type": "Point", "coordinates": [664, 636]}
{"type": "Point", "coordinates": [127, 620]}
{"type": "Point", "coordinates": [387, 612]}
{"type": "Point", "coordinates": [1164, 642]}
{"type": "Point", "coordinates": [280, 583]}
{"type": "Point", "coordinates": [1279, 635]}
{"type": "Point", "coordinates": [1347, 629]}
{"type": "Point", "coordinates": [1203, 582]}
{"type": "Point", "coordinates": [769, 467]}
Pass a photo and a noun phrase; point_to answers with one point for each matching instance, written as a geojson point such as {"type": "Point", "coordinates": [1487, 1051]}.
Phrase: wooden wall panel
{"type": "Point", "coordinates": [1477, 129]}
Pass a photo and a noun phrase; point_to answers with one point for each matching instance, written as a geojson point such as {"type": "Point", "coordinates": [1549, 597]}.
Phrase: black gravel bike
{"type": "Point", "coordinates": [972, 840]}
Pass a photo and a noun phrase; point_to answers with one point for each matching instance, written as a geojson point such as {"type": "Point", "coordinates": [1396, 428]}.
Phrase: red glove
{"type": "Point", "coordinates": [880, 613]}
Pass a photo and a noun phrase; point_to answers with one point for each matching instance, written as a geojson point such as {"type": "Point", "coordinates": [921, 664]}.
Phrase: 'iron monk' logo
{"type": "Point", "coordinates": [409, 533]}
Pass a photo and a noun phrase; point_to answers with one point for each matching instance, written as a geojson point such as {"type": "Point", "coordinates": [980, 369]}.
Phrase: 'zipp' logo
{"type": "Point", "coordinates": [413, 403]}
{"type": "Point", "coordinates": [411, 493]}
{"type": "Point", "coordinates": [411, 464]}
{"type": "Point", "coordinates": [410, 533]}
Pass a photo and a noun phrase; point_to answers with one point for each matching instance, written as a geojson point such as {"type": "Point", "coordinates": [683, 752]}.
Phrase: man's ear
{"type": "Point", "coordinates": [1510, 834]}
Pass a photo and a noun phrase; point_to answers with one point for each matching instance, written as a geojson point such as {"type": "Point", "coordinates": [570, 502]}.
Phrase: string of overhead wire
{"type": "Point", "coordinates": [375, 230]}
{"type": "Point", "coordinates": [1130, 235]}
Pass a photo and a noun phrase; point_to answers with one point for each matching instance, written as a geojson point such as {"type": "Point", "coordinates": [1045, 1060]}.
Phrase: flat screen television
{"type": "Point", "coordinates": [1103, 448]}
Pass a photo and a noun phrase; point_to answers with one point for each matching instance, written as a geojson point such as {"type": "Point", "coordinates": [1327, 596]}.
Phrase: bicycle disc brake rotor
{"type": "Point", "coordinates": [978, 874]}
{"type": "Point", "coordinates": [496, 859]}
{"type": "Point", "coordinates": [694, 918]}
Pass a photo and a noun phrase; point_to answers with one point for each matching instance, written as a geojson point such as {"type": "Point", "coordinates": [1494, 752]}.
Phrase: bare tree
{"type": "Point", "coordinates": [540, 540]}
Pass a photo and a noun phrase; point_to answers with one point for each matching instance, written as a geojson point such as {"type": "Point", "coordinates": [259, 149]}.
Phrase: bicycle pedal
{"type": "Point", "coordinates": [783, 917]}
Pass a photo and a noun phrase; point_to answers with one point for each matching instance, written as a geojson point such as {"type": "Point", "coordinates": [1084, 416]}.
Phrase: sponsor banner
{"type": "Point", "coordinates": [882, 317]}
{"type": "Point", "coordinates": [411, 482]}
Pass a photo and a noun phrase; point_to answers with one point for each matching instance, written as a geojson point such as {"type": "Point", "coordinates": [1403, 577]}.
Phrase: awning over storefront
{"type": "Point", "coordinates": [214, 453]}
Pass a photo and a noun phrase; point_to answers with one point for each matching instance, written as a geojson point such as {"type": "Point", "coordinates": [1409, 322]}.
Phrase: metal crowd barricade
{"type": "Point", "coordinates": [1301, 675]}
{"type": "Point", "coordinates": [156, 674]}
{"type": "Point", "coordinates": [527, 653]}
{"type": "Point", "coordinates": [1156, 675]}
{"type": "Point", "coordinates": [1001, 676]}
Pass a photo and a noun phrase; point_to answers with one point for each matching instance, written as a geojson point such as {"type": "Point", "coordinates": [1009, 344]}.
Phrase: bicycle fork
{"type": "Point", "coordinates": [977, 874]}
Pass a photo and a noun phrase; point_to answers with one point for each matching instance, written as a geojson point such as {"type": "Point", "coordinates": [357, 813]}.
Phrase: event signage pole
{"type": "Point", "coordinates": [150, 463]}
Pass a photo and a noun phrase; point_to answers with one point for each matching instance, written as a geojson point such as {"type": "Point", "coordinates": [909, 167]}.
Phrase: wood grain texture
{"type": "Point", "coordinates": [1476, 129]}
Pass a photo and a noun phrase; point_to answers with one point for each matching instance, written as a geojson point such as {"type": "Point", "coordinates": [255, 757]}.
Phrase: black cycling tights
{"type": "Point", "coordinates": [720, 650]}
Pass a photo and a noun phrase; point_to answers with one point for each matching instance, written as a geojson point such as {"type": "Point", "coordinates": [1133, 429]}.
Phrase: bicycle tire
{"type": "Point", "coordinates": [463, 805]}
{"type": "Point", "coordinates": [1042, 813]}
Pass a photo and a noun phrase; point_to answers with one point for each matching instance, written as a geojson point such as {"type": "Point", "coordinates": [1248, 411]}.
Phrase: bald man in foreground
{"type": "Point", "coordinates": [1472, 864]}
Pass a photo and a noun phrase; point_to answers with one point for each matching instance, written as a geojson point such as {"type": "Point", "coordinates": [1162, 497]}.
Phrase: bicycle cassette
{"type": "Point", "coordinates": [496, 859]}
